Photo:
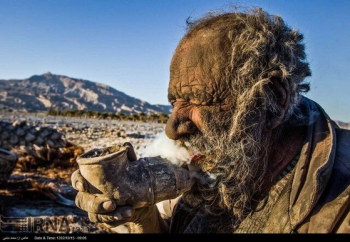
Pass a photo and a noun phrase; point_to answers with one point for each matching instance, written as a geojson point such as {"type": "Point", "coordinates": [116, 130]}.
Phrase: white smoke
{"type": "Point", "coordinates": [167, 149]}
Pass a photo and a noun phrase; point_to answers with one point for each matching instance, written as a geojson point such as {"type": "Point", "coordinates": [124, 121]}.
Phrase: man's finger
{"type": "Point", "coordinates": [120, 216]}
{"type": "Point", "coordinates": [94, 204]}
{"type": "Point", "coordinates": [78, 181]}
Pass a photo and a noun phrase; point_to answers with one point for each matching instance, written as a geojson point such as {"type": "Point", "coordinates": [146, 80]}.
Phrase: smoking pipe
{"type": "Point", "coordinates": [114, 172]}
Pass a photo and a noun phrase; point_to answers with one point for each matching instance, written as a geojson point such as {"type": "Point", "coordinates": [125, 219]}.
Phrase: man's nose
{"type": "Point", "coordinates": [177, 127]}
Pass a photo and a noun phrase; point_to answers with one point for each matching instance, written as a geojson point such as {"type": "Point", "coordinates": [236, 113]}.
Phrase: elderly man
{"type": "Point", "coordinates": [281, 165]}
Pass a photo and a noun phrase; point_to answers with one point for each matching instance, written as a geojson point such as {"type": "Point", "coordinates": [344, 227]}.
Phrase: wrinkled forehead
{"type": "Point", "coordinates": [197, 68]}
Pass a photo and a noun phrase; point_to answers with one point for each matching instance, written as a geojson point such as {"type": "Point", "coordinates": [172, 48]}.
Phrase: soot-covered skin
{"type": "Point", "coordinates": [197, 83]}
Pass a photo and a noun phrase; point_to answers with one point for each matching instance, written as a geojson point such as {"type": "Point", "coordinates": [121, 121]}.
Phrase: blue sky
{"type": "Point", "coordinates": [128, 44]}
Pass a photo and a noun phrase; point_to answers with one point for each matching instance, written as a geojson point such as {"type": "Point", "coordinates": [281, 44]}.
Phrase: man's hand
{"type": "Point", "coordinates": [99, 209]}
{"type": "Point", "coordinates": [104, 210]}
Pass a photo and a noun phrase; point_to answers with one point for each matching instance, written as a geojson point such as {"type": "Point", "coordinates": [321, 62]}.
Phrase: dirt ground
{"type": "Point", "coordinates": [41, 198]}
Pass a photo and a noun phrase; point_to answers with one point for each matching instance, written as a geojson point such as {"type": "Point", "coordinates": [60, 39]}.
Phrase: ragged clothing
{"type": "Point", "coordinates": [312, 197]}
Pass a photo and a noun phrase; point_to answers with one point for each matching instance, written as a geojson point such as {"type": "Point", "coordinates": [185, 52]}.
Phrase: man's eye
{"type": "Point", "coordinates": [198, 103]}
{"type": "Point", "coordinates": [181, 102]}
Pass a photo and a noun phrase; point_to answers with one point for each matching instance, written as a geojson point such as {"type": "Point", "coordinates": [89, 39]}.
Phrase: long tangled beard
{"type": "Point", "coordinates": [238, 165]}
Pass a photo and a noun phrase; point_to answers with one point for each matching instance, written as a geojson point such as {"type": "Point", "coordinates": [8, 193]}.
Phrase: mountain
{"type": "Point", "coordinates": [343, 125]}
{"type": "Point", "coordinates": [42, 92]}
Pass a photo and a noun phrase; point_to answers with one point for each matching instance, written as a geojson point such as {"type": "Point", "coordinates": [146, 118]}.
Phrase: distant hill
{"type": "Point", "coordinates": [343, 124]}
{"type": "Point", "coordinates": [49, 91]}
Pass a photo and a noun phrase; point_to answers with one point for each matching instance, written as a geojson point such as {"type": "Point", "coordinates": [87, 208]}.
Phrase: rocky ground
{"type": "Point", "coordinates": [89, 133]}
{"type": "Point", "coordinates": [38, 196]}
{"type": "Point", "coordinates": [39, 191]}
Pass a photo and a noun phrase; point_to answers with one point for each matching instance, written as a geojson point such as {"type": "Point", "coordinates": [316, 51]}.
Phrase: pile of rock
{"type": "Point", "coordinates": [36, 145]}
{"type": "Point", "coordinates": [19, 134]}
{"type": "Point", "coordinates": [43, 137]}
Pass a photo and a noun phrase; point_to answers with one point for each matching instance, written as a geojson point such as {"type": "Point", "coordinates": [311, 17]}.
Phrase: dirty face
{"type": "Point", "coordinates": [197, 86]}
{"type": "Point", "coordinates": [203, 119]}
{"type": "Point", "coordinates": [235, 78]}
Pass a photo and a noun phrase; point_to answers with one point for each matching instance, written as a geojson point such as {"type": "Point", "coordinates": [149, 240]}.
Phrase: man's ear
{"type": "Point", "coordinates": [280, 89]}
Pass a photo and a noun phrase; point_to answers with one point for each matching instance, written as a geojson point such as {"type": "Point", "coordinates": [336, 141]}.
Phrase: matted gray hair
{"type": "Point", "coordinates": [253, 45]}
{"type": "Point", "coordinates": [256, 44]}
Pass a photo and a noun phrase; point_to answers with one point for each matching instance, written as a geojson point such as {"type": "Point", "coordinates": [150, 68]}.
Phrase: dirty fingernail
{"type": "Point", "coordinates": [127, 213]}
{"type": "Point", "coordinates": [109, 206]}
{"type": "Point", "coordinates": [117, 216]}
